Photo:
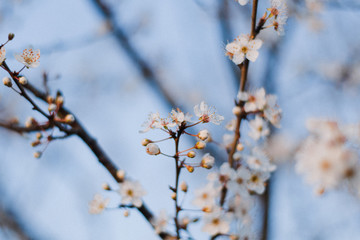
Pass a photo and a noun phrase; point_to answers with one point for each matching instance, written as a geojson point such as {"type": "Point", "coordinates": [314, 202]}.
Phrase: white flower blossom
{"type": "Point", "coordinates": [98, 204]}
{"type": "Point", "coordinates": [131, 193]}
{"type": "Point", "coordinates": [239, 181]}
{"type": "Point", "coordinates": [258, 128]}
{"type": "Point", "coordinates": [151, 123]}
{"type": "Point", "coordinates": [258, 161]}
{"type": "Point", "coordinates": [242, 2]}
{"type": "Point", "coordinates": [207, 161]}
{"type": "Point", "coordinates": [216, 222]}
{"type": "Point", "coordinates": [207, 114]}
{"type": "Point", "coordinates": [179, 117]}
{"type": "Point", "coordinates": [160, 223]}
{"type": "Point", "coordinates": [243, 47]}
{"type": "Point", "coordinates": [254, 101]}
{"type": "Point", "coordinates": [257, 181]}
{"type": "Point", "coordinates": [272, 112]}
{"type": "Point", "coordinates": [205, 197]}
{"type": "Point", "coordinates": [29, 57]}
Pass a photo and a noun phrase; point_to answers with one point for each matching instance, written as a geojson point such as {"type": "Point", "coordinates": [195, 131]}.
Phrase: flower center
{"type": "Point", "coordinates": [244, 49]}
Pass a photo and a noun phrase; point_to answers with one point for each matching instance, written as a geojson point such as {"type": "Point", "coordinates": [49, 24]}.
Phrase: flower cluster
{"type": "Point", "coordinates": [329, 156]}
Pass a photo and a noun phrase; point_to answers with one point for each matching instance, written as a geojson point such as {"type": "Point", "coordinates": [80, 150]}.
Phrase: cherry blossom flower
{"type": "Point", "coordinates": [216, 222]}
{"type": "Point", "coordinates": [204, 135]}
{"type": "Point", "coordinates": [2, 55]}
{"type": "Point", "coordinates": [98, 204]}
{"type": "Point", "coordinates": [272, 112]}
{"type": "Point", "coordinates": [160, 223]}
{"type": "Point", "coordinates": [131, 193]}
{"type": "Point", "coordinates": [29, 57]}
{"type": "Point", "coordinates": [243, 47]}
{"type": "Point", "coordinates": [253, 101]}
{"type": "Point", "coordinates": [258, 161]}
{"type": "Point", "coordinates": [258, 128]}
{"type": "Point", "coordinates": [205, 197]}
{"type": "Point", "coordinates": [179, 117]}
{"type": "Point", "coordinates": [207, 114]}
{"type": "Point", "coordinates": [257, 181]}
{"type": "Point", "coordinates": [151, 123]}
{"type": "Point", "coordinates": [239, 180]}
{"type": "Point", "coordinates": [207, 161]}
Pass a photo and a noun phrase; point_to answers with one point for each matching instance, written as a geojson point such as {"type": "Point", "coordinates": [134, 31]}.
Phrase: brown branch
{"type": "Point", "coordinates": [20, 129]}
{"type": "Point", "coordinates": [123, 40]}
{"type": "Point", "coordinates": [9, 221]}
{"type": "Point", "coordinates": [79, 130]}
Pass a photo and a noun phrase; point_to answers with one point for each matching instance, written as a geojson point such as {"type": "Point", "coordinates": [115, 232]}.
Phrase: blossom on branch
{"type": "Point", "coordinates": [98, 204]}
{"type": "Point", "coordinates": [243, 47]}
{"type": "Point", "coordinates": [207, 114]}
{"type": "Point", "coordinates": [2, 55]}
{"type": "Point", "coordinates": [29, 57]}
{"type": "Point", "coordinates": [131, 193]}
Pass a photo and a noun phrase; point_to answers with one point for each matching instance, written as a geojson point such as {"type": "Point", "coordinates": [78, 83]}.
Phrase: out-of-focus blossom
{"type": "Point", "coordinates": [258, 128]}
{"type": "Point", "coordinates": [216, 222]}
{"type": "Point", "coordinates": [131, 193]}
{"type": "Point", "coordinates": [98, 204]}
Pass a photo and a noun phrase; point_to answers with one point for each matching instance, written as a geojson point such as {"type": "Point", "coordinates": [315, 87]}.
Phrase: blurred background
{"type": "Point", "coordinates": [116, 61]}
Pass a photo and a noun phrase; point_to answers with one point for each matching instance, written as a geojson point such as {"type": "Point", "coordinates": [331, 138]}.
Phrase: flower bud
{"type": "Point", "coordinates": [35, 143]}
{"type": "Point", "coordinates": [207, 209]}
{"type": "Point", "coordinates": [200, 145]}
{"type": "Point", "coordinates": [39, 136]}
{"type": "Point", "coordinates": [14, 121]}
{"type": "Point", "coordinates": [121, 174]}
{"type": "Point", "coordinates": [236, 110]}
{"type": "Point", "coordinates": [173, 196]}
{"type": "Point", "coordinates": [11, 36]}
{"type": "Point", "coordinates": [30, 122]}
{"type": "Point", "coordinates": [203, 135]}
{"type": "Point", "coordinates": [145, 142]}
{"type": "Point", "coordinates": [50, 99]}
{"type": "Point", "coordinates": [106, 187]}
{"type": "Point", "coordinates": [152, 149]}
{"type": "Point", "coordinates": [37, 154]}
{"type": "Point", "coordinates": [23, 80]}
{"type": "Point", "coordinates": [240, 147]}
{"type": "Point", "coordinates": [126, 213]}
{"type": "Point", "coordinates": [189, 168]}
{"type": "Point", "coordinates": [69, 118]}
{"type": "Point", "coordinates": [207, 161]}
{"type": "Point", "coordinates": [52, 107]}
{"type": "Point", "coordinates": [59, 100]}
{"type": "Point", "coordinates": [191, 154]}
{"type": "Point", "coordinates": [184, 186]}
{"type": "Point", "coordinates": [7, 82]}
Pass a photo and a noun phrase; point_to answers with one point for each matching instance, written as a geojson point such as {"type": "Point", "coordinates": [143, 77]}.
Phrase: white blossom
{"type": "Point", "coordinates": [257, 181]}
{"type": "Point", "coordinates": [259, 161]}
{"type": "Point", "coordinates": [207, 161]}
{"type": "Point", "coordinates": [2, 55]}
{"type": "Point", "coordinates": [152, 149]}
{"type": "Point", "coordinates": [205, 197]}
{"type": "Point", "coordinates": [207, 114]}
{"type": "Point", "coordinates": [239, 181]}
{"type": "Point", "coordinates": [216, 222]}
{"type": "Point", "coordinates": [98, 204]}
{"type": "Point", "coordinates": [243, 47]}
{"type": "Point", "coordinates": [131, 193]}
{"type": "Point", "coordinates": [29, 57]}
{"type": "Point", "coordinates": [179, 117]}
{"type": "Point", "coordinates": [254, 101]}
{"type": "Point", "coordinates": [160, 222]}
{"type": "Point", "coordinates": [151, 123]}
{"type": "Point", "coordinates": [258, 128]}
{"type": "Point", "coordinates": [242, 2]}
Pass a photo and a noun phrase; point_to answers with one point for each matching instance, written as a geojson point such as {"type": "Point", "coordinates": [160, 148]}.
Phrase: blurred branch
{"type": "Point", "coordinates": [20, 129]}
{"type": "Point", "coordinates": [9, 221]}
{"type": "Point", "coordinates": [138, 61]}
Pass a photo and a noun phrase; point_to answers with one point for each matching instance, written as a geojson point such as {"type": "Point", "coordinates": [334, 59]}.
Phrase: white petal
{"type": "Point", "coordinates": [238, 58]}
{"type": "Point", "coordinates": [252, 55]}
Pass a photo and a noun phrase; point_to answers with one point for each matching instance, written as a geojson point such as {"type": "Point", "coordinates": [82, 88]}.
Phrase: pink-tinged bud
{"type": "Point", "coordinates": [203, 135]}
{"type": "Point", "coordinates": [191, 154]}
{"type": "Point", "coordinates": [184, 186]}
{"type": "Point", "coordinates": [23, 80]}
{"type": "Point", "coordinates": [207, 209]}
{"type": "Point", "coordinates": [173, 196]}
{"type": "Point", "coordinates": [145, 142]}
{"type": "Point", "coordinates": [240, 147]}
{"type": "Point", "coordinates": [69, 118]}
{"type": "Point", "coordinates": [152, 149]}
{"type": "Point", "coordinates": [126, 213]}
{"type": "Point", "coordinates": [50, 99]}
{"type": "Point", "coordinates": [121, 174]}
{"type": "Point", "coordinates": [200, 145]}
{"type": "Point", "coordinates": [30, 122]}
{"type": "Point", "coordinates": [37, 154]}
{"type": "Point", "coordinates": [35, 143]}
{"type": "Point", "coordinates": [59, 100]}
{"type": "Point", "coordinates": [106, 187]}
{"type": "Point", "coordinates": [39, 136]}
{"type": "Point", "coordinates": [207, 161]}
{"type": "Point", "coordinates": [7, 82]}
